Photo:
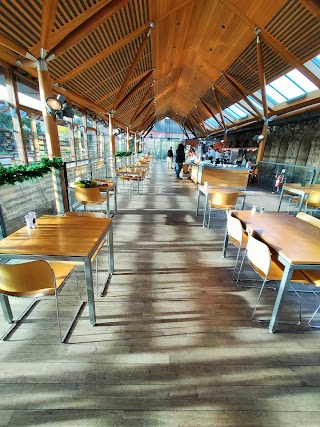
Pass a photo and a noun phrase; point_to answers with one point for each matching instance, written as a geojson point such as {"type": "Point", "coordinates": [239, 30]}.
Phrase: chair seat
{"type": "Point", "coordinates": [313, 276]}
{"type": "Point", "coordinates": [236, 242]}
{"type": "Point", "coordinates": [88, 202]}
{"type": "Point", "coordinates": [222, 206]}
{"type": "Point", "coordinates": [276, 272]}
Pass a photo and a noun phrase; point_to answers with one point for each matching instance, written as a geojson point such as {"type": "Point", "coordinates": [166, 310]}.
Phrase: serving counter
{"type": "Point", "coordinates": [220, 175]}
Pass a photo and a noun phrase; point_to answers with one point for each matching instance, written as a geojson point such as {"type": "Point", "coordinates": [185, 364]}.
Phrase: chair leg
{"type": "Point", "coordinates": [241, 265]}
{"type": "Point", "coordinates": [235, 266]}
{"type": "Point", "coordinates": [310, 321]}
{"type": "Point", "coordinates": [257, 303]}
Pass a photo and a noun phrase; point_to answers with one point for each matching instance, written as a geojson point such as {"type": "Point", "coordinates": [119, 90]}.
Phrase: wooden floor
{"type": "Point", "coordinates": [174, 345]}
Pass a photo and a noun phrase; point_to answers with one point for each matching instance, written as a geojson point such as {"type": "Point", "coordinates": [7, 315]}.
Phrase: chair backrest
{"type": "Point", "coordinates": [91, 214]}
{"type": "Point", "coordinates": [224, 199]}
{"type": "Point", "coordinates": [26, 279]}
{"type": "Point", "coordinates": [234, 228]}
{"type": "Point", "coordinates": [259, 255]}
{"type": "Point", "coordinates": [309, 219]}
{"type": "Point", "coordinates": [89, 195]}
{"type": "Point", "coordinates": [313, 200]}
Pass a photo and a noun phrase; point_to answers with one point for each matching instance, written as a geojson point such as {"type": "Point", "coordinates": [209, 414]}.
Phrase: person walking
{"type": "Point", "coordinates": [180, 158]}
{"type": "Point", "coordinates": [169, 158]}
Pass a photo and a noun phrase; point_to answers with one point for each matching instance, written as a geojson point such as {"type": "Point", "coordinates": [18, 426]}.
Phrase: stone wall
{"type": "Point", "coordinates": [294, 142]}
{"type": "Point", "coordinates": [17, 200]}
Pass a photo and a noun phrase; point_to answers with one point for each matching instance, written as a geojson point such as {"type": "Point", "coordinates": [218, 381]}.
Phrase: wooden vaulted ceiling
{"type": "Point", "coordinates": [96, 57]}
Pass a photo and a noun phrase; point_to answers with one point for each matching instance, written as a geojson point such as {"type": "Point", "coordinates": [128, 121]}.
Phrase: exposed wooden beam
{"type": "Point", "coordinates": [86, 27]}
{"type": "Point", "coordinates": [131, 69]}
{"type": "Point", "coordinates": [147, 114]}
{"type": "Point", "coordinates": [262, 76]}
{"type": "Point", "coordinates": [49, 10]}
{"type": "Point", "coordinates": [235, 86]}
{"type": "Point", "coordinates": [274, 43]}
{"type": "Point", "coordinates": [102, 55]}
{"type": "Point", "coordinates": [137, 111]}
{"type": "Point", "coordinates": [201, 120]}
{"type": "Point", "coordinates": [145, 123]}
{"type": "Point", "coordinates": [134, 89]}
{"type": "Point", "coordinates": [14, 47]}
{"type": "Point", "coordinates": [206, 106]}
{"type": "Point", "coordinates": [144, 109]}
{"type": "Point", "coordinates": [190, 128]}
{"type": "Point", "coordinates": [218, 106]}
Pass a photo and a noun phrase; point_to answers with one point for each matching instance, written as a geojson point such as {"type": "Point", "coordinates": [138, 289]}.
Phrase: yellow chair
{"type": "Point", "coordinates": [268, 268]}
{"type": "Point", "coordinates": [89, 196]}
{"type": "Point", "coordinates": [237, 236]}
{"type": "Point", "coordinates": [313, 202]}
{"type": "Point", "coordinates": [95, 255]}
{"type": "Point", "coordinates": [309, 219]}
{"type": "Point", "coordinates": [36, 279]}
{"type": "Point", "coordinates": [222, 201]}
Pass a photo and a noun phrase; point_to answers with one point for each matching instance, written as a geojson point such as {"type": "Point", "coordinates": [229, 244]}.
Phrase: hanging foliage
{"type": "Point", "coordinates": [19, 173]}
{"type": "Point", "coordinates": [123, 153]}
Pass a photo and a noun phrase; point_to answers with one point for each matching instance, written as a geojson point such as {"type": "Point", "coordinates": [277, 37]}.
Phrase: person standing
{"type": "Point", "coordinates": [180, 158]}
{"type": "Point", "coordinates": [169, 158]}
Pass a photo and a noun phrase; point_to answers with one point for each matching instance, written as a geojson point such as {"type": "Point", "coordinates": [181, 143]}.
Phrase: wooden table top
{"type": "Point", "coordinates": [294, 240]}
{"type": "Point", "coordinates": [298, 189]}
{"type": "Point", "coordinates": [212, 188]}
{"type": "Point", "coordinates": [57, 236]}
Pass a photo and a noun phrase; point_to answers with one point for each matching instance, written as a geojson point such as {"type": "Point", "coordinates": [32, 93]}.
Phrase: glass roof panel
{"type": "Point", "coordinates": [287, 88]}
{"type": "Point", "coordinates": [211, 122]}
{"type": "Point", "coordinates": [255, 103]}
{"type": "Point", "coordinates": [274, 95]}
{"type": "Point", "coordinates": [236, 108]}
{"type": "Point", "coordinates": [301, 81]}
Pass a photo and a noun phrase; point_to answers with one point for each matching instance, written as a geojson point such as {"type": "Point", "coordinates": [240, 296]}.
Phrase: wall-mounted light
{"type": "Point", "coordinates": [116, 131]}
{"type": "Point", "coordinates": [54, 105]}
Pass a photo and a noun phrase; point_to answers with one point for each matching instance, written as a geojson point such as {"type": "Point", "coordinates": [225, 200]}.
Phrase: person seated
{"type": "Point", "coordinates": [211, 154]}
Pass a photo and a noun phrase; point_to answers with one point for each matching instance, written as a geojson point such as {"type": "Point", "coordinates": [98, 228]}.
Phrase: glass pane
{"type": "Point", "coordinates": [231, 113]}
{"type": "Point", "coordinates": [287, 88]}
{"type": "Point", "coordinates": [238, 110]}
{"type": "Point", "coordinates": [67, 151]}
{"type": "Point", "coordinates": [28, 94]}
{"type": "Point", "coordinates": [301, 80]}
{"type": "Point", "coordinates": [275, 96]}
{"type": "Point", "coordinates": [316, 60]}
{"type": "Point", "coordinates": [255, 103]}
{"type": "Point", "coordinates": [211, 122]}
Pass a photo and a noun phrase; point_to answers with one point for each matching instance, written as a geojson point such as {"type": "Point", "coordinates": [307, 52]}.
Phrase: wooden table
{"type": "Point", "coordinates": [295, 243]}
{"type": "Point", "coordinates": [138, 172]}
{"type": "Point", "coordinates": [60, 238]}
{"type": "Point", "coordinates": [106, 187]}
{"type": "Point", "coordinates": [298, 190]}
{"type": "Point", "coordinates": [208, 190]}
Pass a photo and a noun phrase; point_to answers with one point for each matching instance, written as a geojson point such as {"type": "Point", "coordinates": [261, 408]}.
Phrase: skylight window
{"type": "Point", "coordinates": [236, 112]}
{"type": "Point", "coordinates": [302, 81]}
{"type": "Point", "coordinates": [316, 60]}
{"type": "Point", "coordinates": [255, 103]}
{"type": "Point", "coordinates": [274, 95]}
{"type": "Point", "coordinates": [211, 122]}
{"type": "Point", "coordinates": [287, 88]}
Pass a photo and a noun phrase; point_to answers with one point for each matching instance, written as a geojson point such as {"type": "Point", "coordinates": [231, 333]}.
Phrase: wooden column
{"type": "Point", "coordinates": [136, 143]}
{"type": "Point", "coordinates": [262, 143]}
{"type": "Point", "coordinates": [128, 139]}
{"type": "Point", "coordinates": [50, 123]}
{"type": "Point", "coordinates": [85, 133]}
{"type": "Point", "coordinates": [16, 118]}
{"type": "Point", "coordinates": [52, 136]}
{"type": "Point", "coordinates": [111, 135]}
{"type": "Point", "coordinates": [35, 139]}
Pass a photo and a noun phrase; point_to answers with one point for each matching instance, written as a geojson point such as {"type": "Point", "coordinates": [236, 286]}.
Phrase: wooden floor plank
{"type": "Point", "coordinates": [174, 345]}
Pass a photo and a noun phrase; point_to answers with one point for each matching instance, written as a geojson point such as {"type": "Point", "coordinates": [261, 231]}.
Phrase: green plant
{"type": "Point", "coordinates": [19, 173]}
{"type": "Point", "coordinates": [123, 153]}
{"type": "Point", "coordinates": [85, 183]}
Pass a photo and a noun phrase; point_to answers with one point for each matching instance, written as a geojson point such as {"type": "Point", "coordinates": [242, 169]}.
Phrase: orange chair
{"type": "Point", "coordinates": [313, 202]}
{"type": "Point", "coordinates": [221, 201]}
{"type": "Point", "coordinates": [89, 196]}
{"type": "Point", "coordinates": [36, 279]}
